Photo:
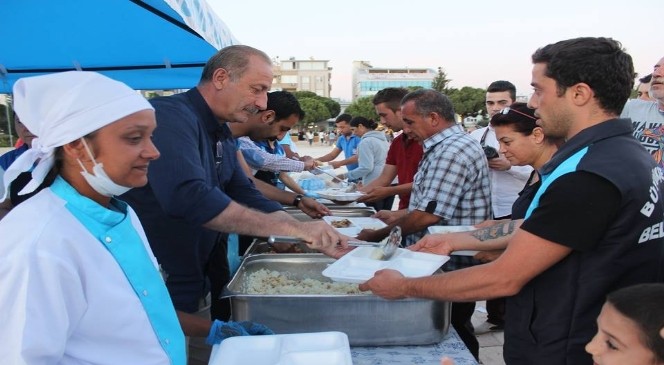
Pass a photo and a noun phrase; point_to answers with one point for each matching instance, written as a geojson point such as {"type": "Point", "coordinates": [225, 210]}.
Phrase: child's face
{"type": "Point", "coordinates": [618, 341]}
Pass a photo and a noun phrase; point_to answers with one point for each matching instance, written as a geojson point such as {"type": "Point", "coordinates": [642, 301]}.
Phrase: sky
{"type": "Point", "coordinates": [475, 41]}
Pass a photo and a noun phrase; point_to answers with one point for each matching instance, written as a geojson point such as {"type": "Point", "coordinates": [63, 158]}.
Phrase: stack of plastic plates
{"type": "Point", "coordinates": [320, 348]}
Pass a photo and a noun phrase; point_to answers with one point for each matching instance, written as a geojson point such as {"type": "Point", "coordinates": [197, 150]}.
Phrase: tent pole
{"type": "Point", "coordinates": [9, 125]}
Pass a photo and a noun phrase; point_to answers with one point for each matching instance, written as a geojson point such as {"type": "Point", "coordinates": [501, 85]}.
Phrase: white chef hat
{"type": "Point", "coordinates": [62, 107]}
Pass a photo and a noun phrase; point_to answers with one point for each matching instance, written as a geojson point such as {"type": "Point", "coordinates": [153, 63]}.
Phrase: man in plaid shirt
{"type": "Point", "coordinates": [451, 187]}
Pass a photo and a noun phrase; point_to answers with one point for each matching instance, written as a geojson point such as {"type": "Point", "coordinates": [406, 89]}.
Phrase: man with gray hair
{"type": "Point", "coordinates": [197, 189]}
{"type": "Point", "coordinates": [648, 116]}
{"type": "Point", "coordinates": [451, 186]}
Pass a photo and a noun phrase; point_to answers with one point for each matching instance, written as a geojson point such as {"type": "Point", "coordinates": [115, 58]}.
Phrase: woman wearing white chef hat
{"type": "Point", "coordinates": [78, 281]}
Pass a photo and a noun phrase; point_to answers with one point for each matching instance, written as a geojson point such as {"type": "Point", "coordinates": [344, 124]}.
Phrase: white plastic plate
{"type": "Point", "coordinates": [339, 195]}
{"type": "Point", "coordinates": [453, 229]}
{"type": "Point", "coordinates": [357, 224]}
{"type": "Point", "coordinates": [320, 348]}
{"type": "Point", "coordinates": [360, 264]}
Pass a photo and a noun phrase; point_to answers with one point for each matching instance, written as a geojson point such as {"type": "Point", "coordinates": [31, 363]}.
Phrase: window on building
{"type": "Point", "coordinates": [288, 65]}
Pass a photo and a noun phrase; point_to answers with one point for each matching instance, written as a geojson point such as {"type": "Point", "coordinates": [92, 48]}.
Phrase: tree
{"type": "Point", "coordinates": [363, 107]}
{"type": "Point", "coordinates": [467, 100]}
{"type": "Point", "coordinates": [314, 111]}
{"type": "Point", "coordinates": [304, 94]}
{"type": "Point", "coordinates": [332, 106]}
{"type": "Point", "coordinates": [441, 82]}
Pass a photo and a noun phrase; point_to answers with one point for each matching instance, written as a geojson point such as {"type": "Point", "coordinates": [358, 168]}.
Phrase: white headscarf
{"type": "Point", "coordinates": [61, 108]}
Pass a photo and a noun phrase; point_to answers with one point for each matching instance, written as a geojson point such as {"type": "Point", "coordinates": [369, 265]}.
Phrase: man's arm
{"type": "Point", "coordinates": [576, 211]}
{"type": "Point", "coordinates": [290, 183]}
{"type": "Point", "coordinates": [412, 222]}
{"type": "Point", "coordinates": [382, 192]}
{"type": "Point", "coordinates": [242, 220]}
{"type": "Point", "coordinates": [495, 237]}
{"type": "Point", "coordinates": [330, 156]}
{"type": "Point", "coordinates": [193, 325]}
{"type": "Point", "coordinates": [526, 257]}
{"type": "Point", "coordinates": [262, 160]}
{"type": "Point", "coordinates": [309, 206]}
{"type": "Point", "coordinates": [348, 161]}
{"type": "Point", "coordinates": [289, 151]}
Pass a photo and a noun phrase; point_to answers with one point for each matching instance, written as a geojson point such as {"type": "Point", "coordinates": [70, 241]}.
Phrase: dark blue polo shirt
{"type": "Point", "coordinates": [193, 181]}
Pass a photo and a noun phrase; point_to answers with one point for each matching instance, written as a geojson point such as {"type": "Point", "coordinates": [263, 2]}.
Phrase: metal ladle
{"type": "Point", "coordinates": [386, 249]}
{"type": "Point", "coordinates": [350, 187]}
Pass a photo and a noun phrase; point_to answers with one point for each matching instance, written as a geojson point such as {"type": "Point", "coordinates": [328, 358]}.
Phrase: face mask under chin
{"type": "Point", "coordinates": [99, 180]}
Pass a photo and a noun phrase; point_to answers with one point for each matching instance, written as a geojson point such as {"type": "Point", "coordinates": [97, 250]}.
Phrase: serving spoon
{"type": "Point", "coordinates": [386, 249]}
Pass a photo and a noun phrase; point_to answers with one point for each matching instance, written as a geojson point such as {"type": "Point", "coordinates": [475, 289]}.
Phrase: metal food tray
{"type": "Point", "coordinates": [260, 246]}
{"type": "Point", "coordinates": [335, 210]}
{"type": "Point", "coordinates": [368, 320]}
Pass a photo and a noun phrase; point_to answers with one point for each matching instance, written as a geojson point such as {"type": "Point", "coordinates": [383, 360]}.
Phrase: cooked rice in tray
{"type": "Point", "coordinates": [272, 282]}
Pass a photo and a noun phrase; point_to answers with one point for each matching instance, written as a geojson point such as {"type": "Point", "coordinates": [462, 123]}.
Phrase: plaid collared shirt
{"type": "Point", "coordinates": [452, 181]}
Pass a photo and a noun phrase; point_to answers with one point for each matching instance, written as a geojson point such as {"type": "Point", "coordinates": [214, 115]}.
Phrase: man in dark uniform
{"type": "Point", "coordinates": [197, 190]}
{"type": "Point", "coordinates": [595, 224]}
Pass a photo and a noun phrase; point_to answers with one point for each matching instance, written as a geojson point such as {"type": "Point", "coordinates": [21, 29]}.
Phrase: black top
{"type": "Point", "coordinates": [526, 195]}
{"type": "Point", "coordinates": [604, 211]}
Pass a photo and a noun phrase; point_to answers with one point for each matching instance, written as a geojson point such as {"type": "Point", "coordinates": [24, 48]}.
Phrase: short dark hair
{"type": "Point", "coordinates": [646, 79]}
{"type": "Point", "coordinates": [521, 123]}
{"type": "Point", "coordinates": [431, 101]}
{"type": "Point", "coordinates": [367, 123]}
{"type": "Point", "coordinates": [643, 304]}
{"type": "Point", "coordinates": [284, 104]}
{"type": "Point", "coordinates": [601, 63]}
{"type": "Point", "coordinates": [344, 118]}
{"type": "Point", "coordinates": [502, 85]}
{"type": "Point", "coordinates": [233, 59]}
{"type": "Point", "coordinates": [391, 96]}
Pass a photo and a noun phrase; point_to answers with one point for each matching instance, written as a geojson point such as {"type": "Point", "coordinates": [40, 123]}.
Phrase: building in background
{"type": "Point", "coordinates": [368, 80]}
{"type": "Point", "coordinates": [302, 75]}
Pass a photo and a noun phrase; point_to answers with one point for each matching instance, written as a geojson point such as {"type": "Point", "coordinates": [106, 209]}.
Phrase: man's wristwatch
{"type": "Point", "coordinates": [297, 200]}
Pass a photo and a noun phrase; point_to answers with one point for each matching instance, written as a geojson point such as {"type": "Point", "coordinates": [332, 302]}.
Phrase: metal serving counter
{"type": "Point", "coordinates": [365, 318]}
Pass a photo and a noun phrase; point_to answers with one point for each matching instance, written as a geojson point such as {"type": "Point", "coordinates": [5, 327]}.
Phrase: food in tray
{"type": "Point", "coordinates": [290, 249]}
{"type": "Point", "coordinates": [271, 282]}
{"type": "Point", "coordinates": [342, 223]}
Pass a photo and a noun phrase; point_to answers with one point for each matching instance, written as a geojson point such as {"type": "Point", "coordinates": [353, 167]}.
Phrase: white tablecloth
{"type": "Point", "coordinates": [451, 346]}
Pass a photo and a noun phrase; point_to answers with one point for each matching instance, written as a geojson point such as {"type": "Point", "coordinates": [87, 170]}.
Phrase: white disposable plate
{"type": "Point", "coordinates": [320, 348]}
{"type": "Point", "coordinates": [339, 195]}
{"type": "Point", "coordinates": [360, 264]}
{"type": "Point", "coordinates": [357, 224]}
{"type": "Point", "coordinates": [453, 229]}
{"type": "Point", "coordinates": [450, 229]}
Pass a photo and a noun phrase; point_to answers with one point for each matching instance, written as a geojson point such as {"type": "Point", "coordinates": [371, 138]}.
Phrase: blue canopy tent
{"type": "Point", "coordinates": [147, 44]}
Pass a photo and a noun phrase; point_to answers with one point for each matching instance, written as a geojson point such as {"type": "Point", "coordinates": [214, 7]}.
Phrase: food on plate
{"type": "Point", "coordinates": [343, 223]}
{"type": "Point", "coordinates": [272, 282]}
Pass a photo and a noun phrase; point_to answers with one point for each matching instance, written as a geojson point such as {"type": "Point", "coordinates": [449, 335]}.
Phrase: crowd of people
{"type": "Point", "coordinates": [142, 201]}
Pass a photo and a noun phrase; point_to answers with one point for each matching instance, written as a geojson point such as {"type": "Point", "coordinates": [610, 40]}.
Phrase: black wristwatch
{"type": "Point", "coordinates": [297, 200]}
